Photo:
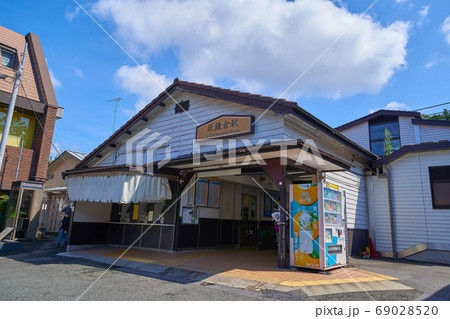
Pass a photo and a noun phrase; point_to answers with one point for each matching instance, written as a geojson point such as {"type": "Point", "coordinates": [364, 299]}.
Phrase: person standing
{"type": "Point", "coordinates": [65, 223]}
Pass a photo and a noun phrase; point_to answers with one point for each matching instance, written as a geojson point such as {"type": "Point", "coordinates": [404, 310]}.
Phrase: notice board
{"type": "Point", "coordinates": [207, 193]}
{"type": "Point", "coordinates": [201, 193]}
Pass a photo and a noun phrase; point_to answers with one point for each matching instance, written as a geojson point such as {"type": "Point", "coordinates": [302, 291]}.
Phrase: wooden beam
{"type": "Point", "coordinates": [301, 167]}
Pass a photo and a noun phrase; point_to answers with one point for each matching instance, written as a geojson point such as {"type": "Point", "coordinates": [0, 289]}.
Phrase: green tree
{"type": "Point", "coordinates": [445, 116]}
{"type": "Point", "coordinates": [3, 205]}
{"type": "Point", "coordinates": [387, 142]}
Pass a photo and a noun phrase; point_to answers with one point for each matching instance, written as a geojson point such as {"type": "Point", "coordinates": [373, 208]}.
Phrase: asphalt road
{"type": "Point", "coordinates": [432, 280]}
{"type": "Point", "coordinates": [39, 274]}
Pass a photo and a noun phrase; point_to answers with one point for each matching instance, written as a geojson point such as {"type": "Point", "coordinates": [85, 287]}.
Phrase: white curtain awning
{"type": "Point", "coordinates": [121, 188]}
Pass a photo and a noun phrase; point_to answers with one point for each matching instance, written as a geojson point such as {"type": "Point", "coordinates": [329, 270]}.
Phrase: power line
{"type": "Point", "coordinates": [429, 107]}
{"type": "Point", "coordinates": [39, 120]}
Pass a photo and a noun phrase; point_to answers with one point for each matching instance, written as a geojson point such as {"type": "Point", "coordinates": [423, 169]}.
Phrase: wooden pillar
{"type": "Point", "coordinates": [72, 217]}
{"type": "Point", "coordinates": [283, 260]}
{"type": "Point", "coordinates": [183, 181]}
{"type": "Point", "coordinates": [277, 172]}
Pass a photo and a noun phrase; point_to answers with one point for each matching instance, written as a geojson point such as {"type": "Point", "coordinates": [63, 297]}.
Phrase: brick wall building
{"type": "Point", "coordinates": [30, 137]}
{"type": "Point", "coordinates": [35, 112]}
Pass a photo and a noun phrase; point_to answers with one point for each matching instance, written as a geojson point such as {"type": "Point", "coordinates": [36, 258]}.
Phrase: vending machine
{"type": "Point", "coordinates": [317, 226]}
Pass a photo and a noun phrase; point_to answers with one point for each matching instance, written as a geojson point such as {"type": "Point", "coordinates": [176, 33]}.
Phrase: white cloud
{"type": "Point", "coordinates": [396, 106]}
{"type": "Point", "coordinates": [78, 73]}
{"type": "Point", "coordinates": [264, 45]}
{"type": "Point", "coordinates": [436, 59]}
{"type": "Point", "coordinates": [401, 1]}
{"type": "Point", "coordinates": [56, 83]}
{"type": "Point", "coordinates": [424, 11]}
{"type": "Point", "coordinates": [446, 29]}
{"type": "Point", "coordinates": [340, 3]}
{"type": "Point", "coordinates": [71, 14]}
{"type": "Point", "coordinates": [393, 106]}
{"type": "Point", "coordinates": [423, 14]}
{"type": "Point", "coordinates": [136, 81]}
{"type": "Point", "coordinates": [431, 63]}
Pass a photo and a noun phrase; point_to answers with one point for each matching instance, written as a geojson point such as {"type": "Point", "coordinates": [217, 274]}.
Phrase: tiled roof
{"type": "Point", "coordinates": [77, 155]}
{"type": "Point", "coordinates": [267, 100]}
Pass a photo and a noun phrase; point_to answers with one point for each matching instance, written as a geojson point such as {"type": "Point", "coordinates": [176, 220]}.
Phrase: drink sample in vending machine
{"type": "Point", "coordinates": [306, 234]}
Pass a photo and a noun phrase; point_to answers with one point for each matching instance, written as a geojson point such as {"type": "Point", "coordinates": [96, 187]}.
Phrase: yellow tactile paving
{"type": "Point", "coordinates": [245, 264]}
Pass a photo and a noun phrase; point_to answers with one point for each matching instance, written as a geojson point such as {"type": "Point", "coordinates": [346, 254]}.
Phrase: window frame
{"type": "Point", "coordinates": [9, 50]}
{"type": "Point", "coordinates": [437, 181]}
{"type": "Point", "coordinates": [384, 120]}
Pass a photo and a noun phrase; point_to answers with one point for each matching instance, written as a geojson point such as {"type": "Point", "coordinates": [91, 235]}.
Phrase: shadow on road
{"type": "Point", "coordinates": [44, 252]}
{"type": "Point", "coordinates": [440, 295]}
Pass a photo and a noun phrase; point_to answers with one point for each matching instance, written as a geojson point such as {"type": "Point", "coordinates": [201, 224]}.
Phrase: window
{"type": "Point", "coordinates": [182, 106]}
{"type": "Point", "coordinates": [248, 209]}
{"type": "Point", "coordinates": [7, 58]}
{"type": "Point", "coordinates": [440, 186]}
{"type": "Point", "coordinates": [379, 130]}
{"type": "Point", "coordinates": [22, 127]}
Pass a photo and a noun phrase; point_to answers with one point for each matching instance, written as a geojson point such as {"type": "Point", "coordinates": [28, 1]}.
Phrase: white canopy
{"type": "Point", "coordinates": [120, 188]}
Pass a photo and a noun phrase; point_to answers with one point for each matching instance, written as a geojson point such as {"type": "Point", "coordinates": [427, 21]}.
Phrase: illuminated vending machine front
{"type": "Point", "coordinates": [317, 228]}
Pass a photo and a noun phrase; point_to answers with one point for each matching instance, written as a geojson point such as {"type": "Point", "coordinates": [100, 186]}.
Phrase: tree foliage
{"type": "Point", "coordinates": [445, 116]}
{"type": "Point", "coordinates": [387, 142]}
{"type": "Point", "coordinates": [3, 206]}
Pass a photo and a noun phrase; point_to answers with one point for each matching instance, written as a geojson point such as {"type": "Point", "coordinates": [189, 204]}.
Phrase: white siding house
{"type": "Point", "coordinates": [420, 231]}
{"type": "Point", "coordinates": [353, 183]}
{"type": "Point", "coordinates": [379, 224]}
{"type": "Point", "coordinates": [407, 135]}
{"type": "Point", "coordinates": [433, 133]}
{"type": "Point", "coordinates": [359, 134]}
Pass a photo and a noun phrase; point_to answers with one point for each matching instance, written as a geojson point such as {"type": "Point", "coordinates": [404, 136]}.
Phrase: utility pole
{"type": "Point", "coordinates": [11, 106]}
{"type": "Point", "coordinates": [117, 100]}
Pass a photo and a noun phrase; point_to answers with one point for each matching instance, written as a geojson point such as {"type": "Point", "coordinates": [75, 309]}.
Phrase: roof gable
{"type": "Point", "coordinates": [77, 156]}
{"type": "Point", "coordinates": [375, 115]}
{"type": "Point", "coordinates": [278, 106]}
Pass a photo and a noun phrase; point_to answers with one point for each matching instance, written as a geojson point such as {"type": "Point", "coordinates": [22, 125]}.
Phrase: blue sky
{"type": "Point", "coordinates": [398, 56]}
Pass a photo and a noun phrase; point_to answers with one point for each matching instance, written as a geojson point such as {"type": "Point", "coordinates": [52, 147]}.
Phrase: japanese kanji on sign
{"type": "Point", "coordinates": [226, 126]}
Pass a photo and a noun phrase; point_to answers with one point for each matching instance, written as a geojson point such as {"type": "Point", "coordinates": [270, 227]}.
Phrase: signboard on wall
{"type": "Point", "coordinates": [189, 215]}
{"type": "Point", "coordinates": [201, 193]}
{"type": "Point", "coordinates": [226, 126]}
{"type": "Point", "coordinates": [214, 194]}
{"type": "Point", "coordinates": [207, 193]}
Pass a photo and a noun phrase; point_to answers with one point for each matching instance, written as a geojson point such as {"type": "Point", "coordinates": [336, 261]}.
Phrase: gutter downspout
{"type": "Point", "coordinates": [391, 211]}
